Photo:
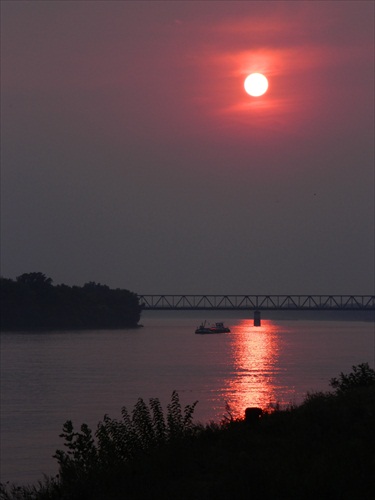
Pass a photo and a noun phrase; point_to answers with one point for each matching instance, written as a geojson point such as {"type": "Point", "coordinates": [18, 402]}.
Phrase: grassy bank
{"type": "Point", "coordinates": [323, 448]}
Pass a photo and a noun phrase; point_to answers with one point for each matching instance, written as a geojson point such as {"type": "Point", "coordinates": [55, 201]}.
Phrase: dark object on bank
{"type": "Point", "coordinates": [253, 414]}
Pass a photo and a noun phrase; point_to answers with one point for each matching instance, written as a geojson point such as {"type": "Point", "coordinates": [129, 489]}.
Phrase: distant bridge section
{"type": "Point", "coordinates": [257, 303]}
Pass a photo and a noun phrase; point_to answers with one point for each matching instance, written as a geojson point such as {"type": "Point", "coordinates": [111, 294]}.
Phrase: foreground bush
{"type": "Point", "coordinates": [324, 448]}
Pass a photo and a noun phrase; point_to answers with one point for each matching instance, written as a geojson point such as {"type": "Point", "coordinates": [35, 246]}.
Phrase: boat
{"type": "Point", "coordinates": [215, 328]}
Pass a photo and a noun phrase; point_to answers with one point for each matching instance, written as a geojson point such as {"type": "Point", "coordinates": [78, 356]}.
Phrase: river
{"type": "Point", "coordinates": [50, 377]}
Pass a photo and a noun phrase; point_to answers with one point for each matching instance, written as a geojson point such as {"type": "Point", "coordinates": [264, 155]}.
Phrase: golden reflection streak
{"type": "Point", "coordinates": [255, 354]}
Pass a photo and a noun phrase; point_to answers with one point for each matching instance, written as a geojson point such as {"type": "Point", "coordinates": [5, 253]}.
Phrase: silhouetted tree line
{"type": "Point", "coordinates": [33, 302]}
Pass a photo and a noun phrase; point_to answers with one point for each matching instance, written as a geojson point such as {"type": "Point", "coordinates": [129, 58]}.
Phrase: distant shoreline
{"type": "Point", "coordinates": [66, 329]}
{"type": "Point", "coordinates": [33, 303]}
{"type": "Point", "coordinates": [361, 316]}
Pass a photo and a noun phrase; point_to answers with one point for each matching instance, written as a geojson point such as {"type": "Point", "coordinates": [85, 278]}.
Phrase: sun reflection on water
{"type": "Point", "coordinates": [254, 355]}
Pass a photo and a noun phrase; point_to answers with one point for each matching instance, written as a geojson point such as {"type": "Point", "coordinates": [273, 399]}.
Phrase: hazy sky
{"type": "Point", "coordinates": [132, 156]}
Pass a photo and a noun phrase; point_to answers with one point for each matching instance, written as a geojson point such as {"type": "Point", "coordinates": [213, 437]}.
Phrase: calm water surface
{"type": "Point", "coordinates": [47, 378]}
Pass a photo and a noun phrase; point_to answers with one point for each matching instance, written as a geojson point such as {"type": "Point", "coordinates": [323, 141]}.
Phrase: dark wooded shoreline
{"type": "Point", "coordinates": [32, 302]}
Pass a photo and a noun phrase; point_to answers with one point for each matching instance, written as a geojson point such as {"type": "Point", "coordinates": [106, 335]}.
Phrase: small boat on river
{"type": "Point", "coordinates": [215, 328]}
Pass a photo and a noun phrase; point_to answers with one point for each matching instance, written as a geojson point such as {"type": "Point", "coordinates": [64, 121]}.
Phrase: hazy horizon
{"type": "Point", "coordinates": [132, 156]}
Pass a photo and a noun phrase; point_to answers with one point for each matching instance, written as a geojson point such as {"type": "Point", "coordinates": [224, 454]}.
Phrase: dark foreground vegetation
{"type": "Point", "coordinates": [322, 449]}
{"type": "Point", "coordinates": [32, 302]}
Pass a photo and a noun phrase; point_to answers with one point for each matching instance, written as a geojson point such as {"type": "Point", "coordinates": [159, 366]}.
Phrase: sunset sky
{"type": "Point", "coordinates": [132, 156]}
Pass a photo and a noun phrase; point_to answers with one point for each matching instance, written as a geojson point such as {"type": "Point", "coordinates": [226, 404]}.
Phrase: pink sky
{"type": "Point", "coordinates": [133, 156]}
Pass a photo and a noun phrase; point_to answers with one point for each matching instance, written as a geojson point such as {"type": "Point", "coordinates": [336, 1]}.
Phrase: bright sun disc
{"type": "Point", "coordinates": [256, 84]}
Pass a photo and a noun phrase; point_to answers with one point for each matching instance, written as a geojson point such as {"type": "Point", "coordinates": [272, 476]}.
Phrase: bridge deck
{"type": "Point", "coordinates": [258, 302]}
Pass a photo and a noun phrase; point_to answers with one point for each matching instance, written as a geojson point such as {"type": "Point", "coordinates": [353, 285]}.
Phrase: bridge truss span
{"type": "Point", "coordinates": [258, 302]}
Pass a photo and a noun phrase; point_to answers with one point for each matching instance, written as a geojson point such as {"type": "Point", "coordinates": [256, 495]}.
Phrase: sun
{"type": "Point", "coordinates": [256, 84]}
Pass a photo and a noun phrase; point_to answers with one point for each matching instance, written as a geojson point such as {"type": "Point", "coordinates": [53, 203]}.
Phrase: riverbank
{"type": "Point", "coordinates": [323, 448]}
{"type": "Point", "coordinates": [32, 303]}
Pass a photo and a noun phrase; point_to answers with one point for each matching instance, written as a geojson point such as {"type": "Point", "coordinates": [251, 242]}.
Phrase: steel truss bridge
{"type": "Point", "coordinates": [257, 302]}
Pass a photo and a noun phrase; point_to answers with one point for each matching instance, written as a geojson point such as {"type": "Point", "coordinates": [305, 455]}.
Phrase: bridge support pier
{"type": "Point", "coordinates": [256, 318]}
